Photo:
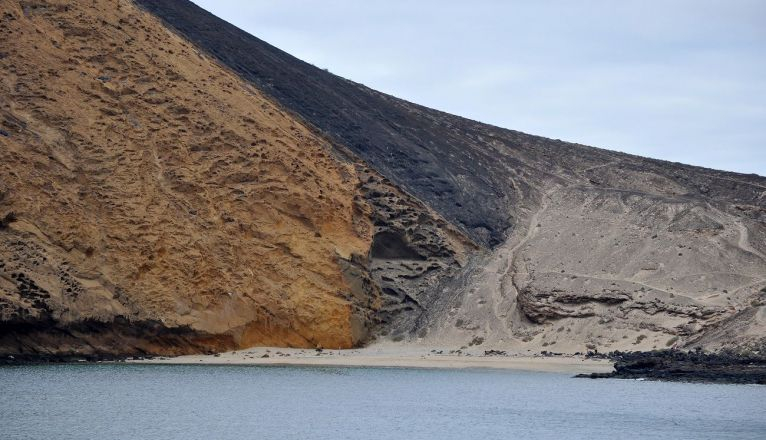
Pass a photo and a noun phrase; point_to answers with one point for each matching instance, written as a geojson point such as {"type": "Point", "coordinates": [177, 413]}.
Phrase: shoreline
{"type": "Point", "coordinates": [391, 358]}
{"type": "Point", "coordinates": [660, 365]}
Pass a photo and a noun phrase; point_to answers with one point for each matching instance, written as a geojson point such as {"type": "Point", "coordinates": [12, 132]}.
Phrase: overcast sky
{"type": "Point", "coordinates": [681, 80]}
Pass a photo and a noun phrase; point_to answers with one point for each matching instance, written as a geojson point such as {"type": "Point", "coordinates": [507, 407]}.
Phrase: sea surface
{"type": "Point", "coordinates": [120, 401]}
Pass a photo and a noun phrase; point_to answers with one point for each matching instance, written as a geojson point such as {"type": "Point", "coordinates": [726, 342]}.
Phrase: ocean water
{"type": "Point", "coordinates": [247, 402]}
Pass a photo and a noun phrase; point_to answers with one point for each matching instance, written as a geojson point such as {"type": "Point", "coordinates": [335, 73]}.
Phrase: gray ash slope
{"type": "Point", "coordinates": [581, 246]}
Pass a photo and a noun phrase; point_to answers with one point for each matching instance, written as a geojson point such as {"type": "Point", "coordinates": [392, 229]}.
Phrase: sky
{"type": "Point", "coordinates": [680, 80]}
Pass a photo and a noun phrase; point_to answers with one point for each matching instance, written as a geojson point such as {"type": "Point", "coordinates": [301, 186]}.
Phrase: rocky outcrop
{"type": "Point", "coordinates": [136, 195]}
{"type": "Point", "coordinates": [150, 185]}
{"type": "Point", "coordinates": [412, 251]}
{"type": "Point", "coordinates": [691, 366]}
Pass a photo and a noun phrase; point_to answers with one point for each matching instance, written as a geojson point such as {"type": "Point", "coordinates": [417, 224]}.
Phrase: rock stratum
{"type": "Point", "coordinates": [170, 184]}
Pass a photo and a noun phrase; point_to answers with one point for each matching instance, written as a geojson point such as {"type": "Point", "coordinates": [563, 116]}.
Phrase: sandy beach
{"type": "Point", "coordinates": [393, 357]}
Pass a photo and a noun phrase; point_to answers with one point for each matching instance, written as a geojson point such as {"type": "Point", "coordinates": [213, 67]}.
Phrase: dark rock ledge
{"type": "Point", "coordinates": [687, 366]}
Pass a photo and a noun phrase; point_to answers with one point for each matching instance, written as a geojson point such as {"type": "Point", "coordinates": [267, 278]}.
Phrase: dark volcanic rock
{"type": "Point", "coordinates": [691, 366]}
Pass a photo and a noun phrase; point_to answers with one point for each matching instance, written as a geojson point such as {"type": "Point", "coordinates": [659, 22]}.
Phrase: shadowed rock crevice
{"type": "Point", "coordinates": [391, 246]}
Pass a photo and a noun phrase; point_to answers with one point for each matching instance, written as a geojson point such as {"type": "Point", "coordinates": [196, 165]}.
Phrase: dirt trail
{"type": "Point", "coordinates": [506, 284]}
{"type": "Point", "coordinates": [744, 242]}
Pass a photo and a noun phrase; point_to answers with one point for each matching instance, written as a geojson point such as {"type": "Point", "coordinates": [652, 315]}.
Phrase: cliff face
{"type": "Point", "coordinates": [170, 184]}
{"type": "Point", "coordinates": [160, 203]}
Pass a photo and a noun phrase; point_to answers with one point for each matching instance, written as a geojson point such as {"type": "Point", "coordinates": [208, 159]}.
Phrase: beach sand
{"type": "Point", "coordinates": [393, 357]}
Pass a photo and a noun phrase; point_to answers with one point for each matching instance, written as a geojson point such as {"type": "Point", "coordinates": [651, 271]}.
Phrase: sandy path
{"type": "Point", "coordinates": [388, 357]}
{"type": "Point", "coordinates": [744, 242]}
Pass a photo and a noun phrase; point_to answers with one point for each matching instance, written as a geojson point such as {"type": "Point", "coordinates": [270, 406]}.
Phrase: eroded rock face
{"type": "Point", "coordinates": [413, 250]}
{"type": "Point", "coordinates": [152, 186]}
{"type": "Point", "coordinates": [152, 202]}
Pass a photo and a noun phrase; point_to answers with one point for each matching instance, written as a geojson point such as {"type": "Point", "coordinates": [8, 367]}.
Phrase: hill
{"type": "Point", "coordinates": [175, 185]}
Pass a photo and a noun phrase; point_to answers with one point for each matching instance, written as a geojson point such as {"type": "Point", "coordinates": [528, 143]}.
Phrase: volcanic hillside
{"type": "Point", "coordinates": [171, 184]}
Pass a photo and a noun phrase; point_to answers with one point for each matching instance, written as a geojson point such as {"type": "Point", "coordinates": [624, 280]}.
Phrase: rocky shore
{"type": "Point", "coordinates": [686, 366]}
{"type": "Point", "coordinates": [40, 358]}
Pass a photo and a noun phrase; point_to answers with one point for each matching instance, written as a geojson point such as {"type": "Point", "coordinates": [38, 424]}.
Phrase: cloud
{"type": "Point", "coordinates": [682, 80]}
